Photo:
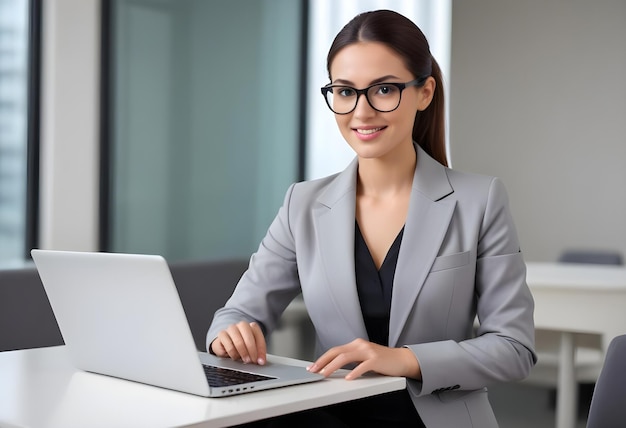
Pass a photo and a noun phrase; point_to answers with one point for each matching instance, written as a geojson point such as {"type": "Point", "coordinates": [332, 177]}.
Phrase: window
{"type": "Point", "coordinates": [204, 112]}
{"type": "Point", "coordinates": [19, 74]}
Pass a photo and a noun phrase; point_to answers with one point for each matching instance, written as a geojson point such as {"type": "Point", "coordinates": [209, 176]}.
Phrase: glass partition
{"type": "Point", "coordinates": [204, 115]}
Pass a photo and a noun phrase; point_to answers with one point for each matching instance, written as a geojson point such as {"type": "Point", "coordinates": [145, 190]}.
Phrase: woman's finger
{"type": "Point", "coordinates": [239, 349]}
{"type": "Point", "coordinates": [261, 346]}
{"type": "Point", "coordinates": [225, 343]}
{"type": "Point", "coordinates": [242, 341]}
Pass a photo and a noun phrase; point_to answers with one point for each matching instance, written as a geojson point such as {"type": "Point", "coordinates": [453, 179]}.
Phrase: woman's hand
{"type": "Point", "coordinates": [369, 357]}
{"type": "Point", "coordinates": [242, 341]}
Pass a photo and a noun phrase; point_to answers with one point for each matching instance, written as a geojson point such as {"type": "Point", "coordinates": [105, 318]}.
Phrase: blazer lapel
{"type": "Point", "coordinates": [425, 228]}
{"type": "Point", "coordinates": [335, 224]}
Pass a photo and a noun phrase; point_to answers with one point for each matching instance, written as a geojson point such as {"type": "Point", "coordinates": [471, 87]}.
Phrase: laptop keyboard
{"type": "Point", "coordinates": [219, 376]}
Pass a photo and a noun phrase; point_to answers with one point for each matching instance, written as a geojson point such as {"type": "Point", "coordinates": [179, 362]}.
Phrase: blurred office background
{"type": "Point", "coordinates": [175, 126]}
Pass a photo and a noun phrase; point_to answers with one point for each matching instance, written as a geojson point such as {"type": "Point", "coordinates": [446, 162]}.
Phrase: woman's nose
{"type": "Point", "coordinates": [363, 107]}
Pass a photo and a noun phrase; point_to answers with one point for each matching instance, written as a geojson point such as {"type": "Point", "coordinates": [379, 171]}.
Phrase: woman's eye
{"type": "Point", "coordinates": [386, 89]}
{"type": "Point", "coordinates": [345, 92]}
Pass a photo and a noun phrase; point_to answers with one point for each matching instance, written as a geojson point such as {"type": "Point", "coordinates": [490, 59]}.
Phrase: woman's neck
{"type": "Point", "coordinates": [387, 176]}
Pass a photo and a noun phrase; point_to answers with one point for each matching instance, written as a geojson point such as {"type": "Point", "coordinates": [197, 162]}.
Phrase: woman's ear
{"type": "Point", "coordinates": [426, 93]}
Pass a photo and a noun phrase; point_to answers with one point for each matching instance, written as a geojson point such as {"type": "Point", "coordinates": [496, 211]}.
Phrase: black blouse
{"type": "Point", "coordinates": [375, 288]}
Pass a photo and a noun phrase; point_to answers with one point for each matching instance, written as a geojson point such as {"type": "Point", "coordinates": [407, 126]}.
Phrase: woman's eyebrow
{"type": "Point", "coordinates": [373, 82]}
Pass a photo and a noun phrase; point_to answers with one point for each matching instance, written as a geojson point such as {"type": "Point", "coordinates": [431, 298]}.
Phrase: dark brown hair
{"type": "Point", "coordinates": [404, 37]}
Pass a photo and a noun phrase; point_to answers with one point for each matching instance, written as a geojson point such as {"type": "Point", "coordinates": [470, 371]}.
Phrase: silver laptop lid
{"type": "Point", "coordinates": [120, 315]}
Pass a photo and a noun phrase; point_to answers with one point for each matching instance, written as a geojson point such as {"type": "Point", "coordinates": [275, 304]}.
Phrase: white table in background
{"type": "Point", "coordinates": [39, 388]}
{"type": "Point", "coordinates": [571, 299]}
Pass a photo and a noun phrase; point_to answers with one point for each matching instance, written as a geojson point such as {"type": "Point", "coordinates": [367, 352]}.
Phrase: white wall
{"type": "Point", "coordinates": [69, 129]}
{"type": "Point", "coordinates": [538, 97]}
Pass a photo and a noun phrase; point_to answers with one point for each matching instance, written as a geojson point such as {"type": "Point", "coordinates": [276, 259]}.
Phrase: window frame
{"type": "Point", "coordinates": [31, 238]}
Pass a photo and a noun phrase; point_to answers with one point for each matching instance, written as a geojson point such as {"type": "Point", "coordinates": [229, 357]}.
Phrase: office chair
{"type": "Point", "coordinates": [26, 318]}
{"type": "Point", "coordinates": [599, 257]}
{"type": "Point", "coordinates": [608, 404]}
{"type": "Point", "coordinates": [203, 287]}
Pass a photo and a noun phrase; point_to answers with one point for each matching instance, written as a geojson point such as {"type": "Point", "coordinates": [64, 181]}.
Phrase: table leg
{"type": "Point", "coordinates": [567, 391]}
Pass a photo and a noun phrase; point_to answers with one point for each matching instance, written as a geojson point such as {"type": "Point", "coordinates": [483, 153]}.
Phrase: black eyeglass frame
{"type": "Point", "coordinates": [419, 82]}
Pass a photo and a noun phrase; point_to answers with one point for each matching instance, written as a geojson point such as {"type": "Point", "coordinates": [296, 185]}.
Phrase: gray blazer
{"type": "Point", "coordinates": [459, 259]}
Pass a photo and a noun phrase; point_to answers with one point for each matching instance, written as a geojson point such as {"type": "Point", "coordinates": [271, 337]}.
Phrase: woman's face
{"type": "Point", "coordinates": [370, 133]}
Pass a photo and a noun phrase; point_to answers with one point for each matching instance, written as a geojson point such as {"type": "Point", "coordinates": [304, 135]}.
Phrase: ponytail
{"type": "Point", "coordinates": [429, 129]}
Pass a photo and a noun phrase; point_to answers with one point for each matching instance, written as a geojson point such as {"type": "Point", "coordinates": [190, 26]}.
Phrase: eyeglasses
{"type": "Point", "coordinates": [382, 97]}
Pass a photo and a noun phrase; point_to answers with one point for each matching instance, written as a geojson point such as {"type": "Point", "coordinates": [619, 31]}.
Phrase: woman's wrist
{"type": "Point", "coordinates": [413, 369]}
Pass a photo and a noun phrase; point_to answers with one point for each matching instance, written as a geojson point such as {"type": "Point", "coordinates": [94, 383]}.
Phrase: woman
{"type": "Point", "coordinates": [396, 255]}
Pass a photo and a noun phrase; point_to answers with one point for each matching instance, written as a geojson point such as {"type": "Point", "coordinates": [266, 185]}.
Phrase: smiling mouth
{"type": "Point", "coordinates": [368, 131]}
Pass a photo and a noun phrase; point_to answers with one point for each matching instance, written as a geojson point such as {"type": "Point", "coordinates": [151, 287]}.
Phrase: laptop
{"type": "Point", "coordinates": [120, 315]}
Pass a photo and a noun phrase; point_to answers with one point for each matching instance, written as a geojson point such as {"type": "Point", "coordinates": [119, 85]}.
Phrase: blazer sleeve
{"type": "Point", "coordinates": [503, 348]}
{"type": "Point", "coordinates": [270, 283]}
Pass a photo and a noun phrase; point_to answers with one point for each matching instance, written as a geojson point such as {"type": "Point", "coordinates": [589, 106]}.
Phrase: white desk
{"type": "Point", "coordinates": [577, 298]}
{"type": "Point", "coordinates": [39, 388]}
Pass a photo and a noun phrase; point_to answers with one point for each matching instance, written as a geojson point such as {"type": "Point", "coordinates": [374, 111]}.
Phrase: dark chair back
{"type": "Point", "coordinates": [608, 404]}
{"type": "Point", "coordinates": [600, 257]}
{"type": "Point", "coordinates": [204, 287]}
{"type": "Point", "coordinates": [26, 318]}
